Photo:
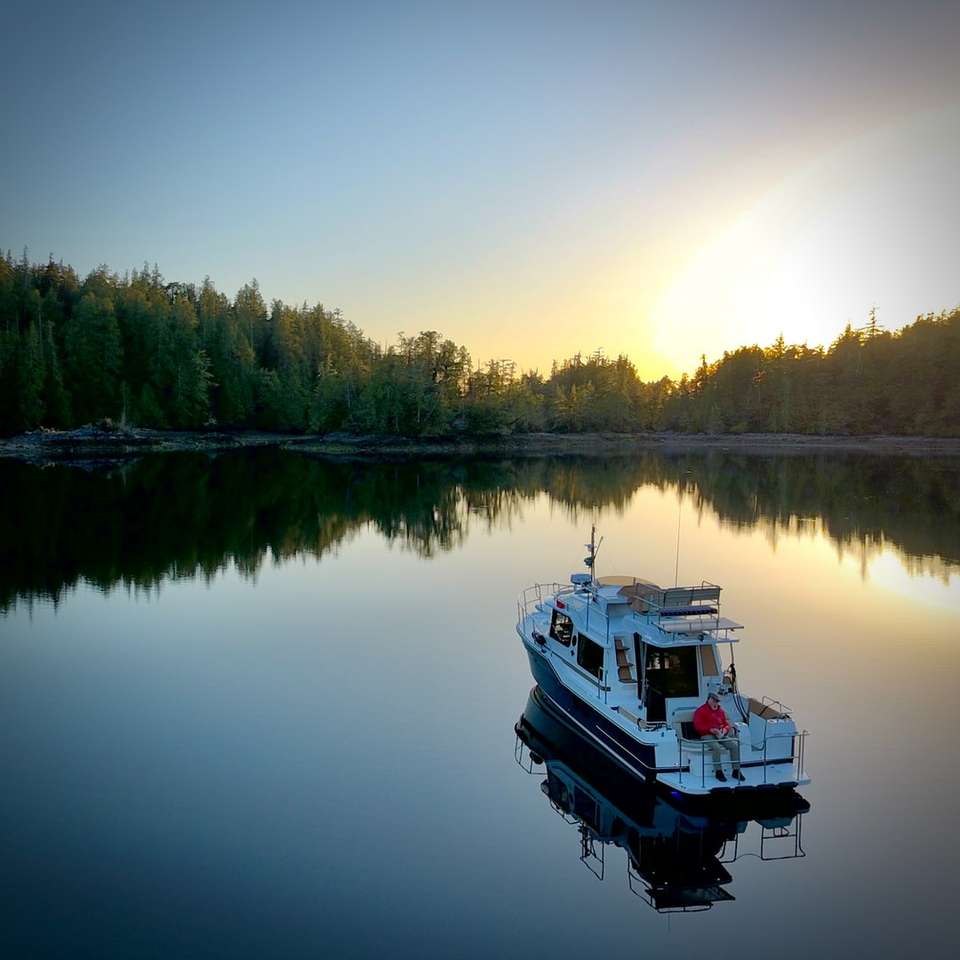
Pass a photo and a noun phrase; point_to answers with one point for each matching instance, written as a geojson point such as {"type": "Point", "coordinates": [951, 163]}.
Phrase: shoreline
{"type": "Point", "coordinates": [91, 445]}
{"type": "Point", "coordinates": [590, 444]}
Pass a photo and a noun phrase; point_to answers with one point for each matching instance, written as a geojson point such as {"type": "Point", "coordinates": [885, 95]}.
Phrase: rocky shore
{"type": "Point", "coordinates": [97, 444]}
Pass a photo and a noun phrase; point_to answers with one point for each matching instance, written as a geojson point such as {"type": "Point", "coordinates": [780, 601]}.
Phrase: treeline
{"type": "Point", "coordinates": [245, 507]}
{"type": "Point", "coordinates": [140, 351]}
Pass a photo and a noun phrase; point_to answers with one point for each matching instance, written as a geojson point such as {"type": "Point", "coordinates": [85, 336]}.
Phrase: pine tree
{"type": "Point", "coordinates": [31, 375]}
{"type": "Point", "coordinates": [93, 355]}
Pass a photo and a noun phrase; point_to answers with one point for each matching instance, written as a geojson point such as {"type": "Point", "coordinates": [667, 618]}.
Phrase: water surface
{"type": "Point", "coordinates": [263, 705]}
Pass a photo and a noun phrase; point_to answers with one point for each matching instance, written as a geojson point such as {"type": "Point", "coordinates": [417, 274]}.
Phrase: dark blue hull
{"type": "Point", "coordinates": [638, 758]}
{"type": "Point", "coordinates": [553, 738]}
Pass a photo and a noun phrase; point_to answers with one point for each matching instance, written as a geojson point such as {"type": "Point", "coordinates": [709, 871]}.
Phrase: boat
{"type": "Point", "coordinates": [677, 861]}
{"type": "Point", "coordinates": [628, 662]}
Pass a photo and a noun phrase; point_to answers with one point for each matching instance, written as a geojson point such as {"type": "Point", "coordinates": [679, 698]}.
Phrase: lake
{"type": "Point", "coordinates": [263, 705]}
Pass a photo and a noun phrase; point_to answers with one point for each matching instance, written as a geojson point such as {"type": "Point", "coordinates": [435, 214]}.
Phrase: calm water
{"type": "Point", "coordinates": [262, 705]}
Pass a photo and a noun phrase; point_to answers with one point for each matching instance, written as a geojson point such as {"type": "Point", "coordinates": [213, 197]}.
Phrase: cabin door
{"type": "Point", "coordinates": [669, 673]}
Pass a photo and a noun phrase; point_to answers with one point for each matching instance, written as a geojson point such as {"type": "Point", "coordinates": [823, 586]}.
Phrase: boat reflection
{"type": "Point", "coordinates": [678, 856]}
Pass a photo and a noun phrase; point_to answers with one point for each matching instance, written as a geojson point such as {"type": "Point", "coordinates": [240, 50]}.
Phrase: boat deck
{"type": "Point", "coordinates": [755, 779]}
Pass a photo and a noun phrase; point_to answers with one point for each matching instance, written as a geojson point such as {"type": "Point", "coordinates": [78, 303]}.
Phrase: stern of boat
{"type": "Point", "coordinates": [772, 757]}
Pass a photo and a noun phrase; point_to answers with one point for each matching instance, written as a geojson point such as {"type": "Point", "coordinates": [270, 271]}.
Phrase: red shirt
{"type": "Point", "coordinates": [706, 719]}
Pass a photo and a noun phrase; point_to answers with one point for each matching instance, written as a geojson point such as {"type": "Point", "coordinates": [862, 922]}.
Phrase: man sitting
{"type": "Point", "coordinates": [711, 723]}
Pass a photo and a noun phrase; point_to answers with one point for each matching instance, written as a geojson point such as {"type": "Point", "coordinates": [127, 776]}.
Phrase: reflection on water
{"type": "Point", "coordinates": [678, 858]}
{"type": "Point", "coordinates": [186, 515]}
{"type": "Point", "coordinates": [272, 758]}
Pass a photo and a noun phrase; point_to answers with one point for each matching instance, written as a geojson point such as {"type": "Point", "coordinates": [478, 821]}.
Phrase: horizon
{"type": "Point", "coordinates": [533, 181]}
{"type": "Point", "coordinates": [478, 361]}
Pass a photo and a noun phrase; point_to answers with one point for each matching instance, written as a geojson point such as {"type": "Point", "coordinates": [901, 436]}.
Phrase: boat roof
{"type": "Point", "coordinates": [661, 598]}
{"type": "Point", "coordinates": [671, 616]}
{"type": "Point", "coordinates": [625, 581]}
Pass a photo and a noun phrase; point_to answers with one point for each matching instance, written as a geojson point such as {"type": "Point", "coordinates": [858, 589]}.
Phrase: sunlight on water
{"type": "Point", "coordinates": [277, 696]}
{"type": "Point", "coordinates": [890, 571]}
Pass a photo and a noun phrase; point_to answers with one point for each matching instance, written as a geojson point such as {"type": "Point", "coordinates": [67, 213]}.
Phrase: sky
{"type": "Point", "coordinates": [531, 179]}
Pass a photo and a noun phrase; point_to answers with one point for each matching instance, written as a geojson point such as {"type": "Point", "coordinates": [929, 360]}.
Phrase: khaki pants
{"type": "Point", "coordinates": [730, 743]}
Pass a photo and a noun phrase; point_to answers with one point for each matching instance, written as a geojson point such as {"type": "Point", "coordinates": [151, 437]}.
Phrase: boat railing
{"type": "Point", "coordinates": [777, 705]}
{"type": "Point", "coordinates": [532, 598]}
{"type": "Point", "coordinates": [696, 608]}
{"type": "Point", "coordinates": [705, 595]}
{"type": "Point", "coordinates": [589, 856]}
{"type": "Point", "coordinates": [782, 842]}
{"type": "Point", "coordinates": [641, 724]}
{"type": "Point", "coordinates": [779, 838]}
{"type": "Point", "coordinates": [525, 757]}
{"type": "Point", "coordinates": [795, 757]}
{"type": "Point", "coordinates": [647, 892]}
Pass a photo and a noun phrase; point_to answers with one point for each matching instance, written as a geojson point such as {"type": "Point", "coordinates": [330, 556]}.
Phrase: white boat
{"type": "Point", "coordinates": [628, 662]}
{"type": "Point", "coordinates": [678, 860]}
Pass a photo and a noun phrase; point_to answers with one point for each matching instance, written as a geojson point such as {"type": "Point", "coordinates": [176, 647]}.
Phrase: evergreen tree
{"type": "Point", "coordinates": [92, 358]}
{"type": "Point", "coordinates": [31, 377]}
{"type": "Point", "coordinates": [176, 354]}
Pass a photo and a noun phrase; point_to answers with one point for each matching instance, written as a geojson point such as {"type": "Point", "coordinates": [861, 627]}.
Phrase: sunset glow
{"type": "Point", "coordinates": [531, 181]}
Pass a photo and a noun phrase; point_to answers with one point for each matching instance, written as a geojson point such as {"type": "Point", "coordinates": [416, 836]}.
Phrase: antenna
{"type": "Point", "coordinates": [594, 549]}
{"type": "Point", "coordinates": [676, 568]}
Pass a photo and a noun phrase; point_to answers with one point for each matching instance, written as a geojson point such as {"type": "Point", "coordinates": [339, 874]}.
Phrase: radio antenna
{"type": "Point", "coordinates": [594, 549]}
{"type": "Point", "coordinates": [676, 568]}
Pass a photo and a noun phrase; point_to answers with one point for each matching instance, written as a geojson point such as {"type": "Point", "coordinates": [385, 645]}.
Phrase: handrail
{"type": "Point", "coordinates": [641, 724]}
{"type": "Point", "coordinates": [796, 836]}
{"type": "Point", "coordinates": [648, 892]}
{"type": "Point", "coordinates": [768, 834]}
{"type": "Point", "coordinates": [583, 673]}
{"type": "Point", "coordinates": [518, 748]}
{"type": "Point", "coordinates": [796, 757]}
{"type": "Point", "coordinates": [703, 765]}
{"type": "Point", "coordinates": [588, 851]}
{"type": "Point", "coordinates": [697, 608]}
{"type": "Point", "coordinates": [780, 706]}
{"type": "Point", "coordinates": [667, 597]}
{"type": "Point", "coordinates": [534, 595]}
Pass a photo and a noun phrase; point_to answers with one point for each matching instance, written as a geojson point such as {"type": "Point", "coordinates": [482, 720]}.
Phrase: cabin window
{"type": "Point", "coordinates": [561, 628]}
{"type": "Point", "coordinates": [590, 655]}
{"type": "Point", "coordinates": [673, 673]}
{"type": "Point", "coordinates": [708, 662]}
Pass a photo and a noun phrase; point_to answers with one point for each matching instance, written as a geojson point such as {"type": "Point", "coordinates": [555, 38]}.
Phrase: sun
{"type": "Point", "coordinates": [868, 224]}
{"type": "Point", "coordinates": [755, 279]}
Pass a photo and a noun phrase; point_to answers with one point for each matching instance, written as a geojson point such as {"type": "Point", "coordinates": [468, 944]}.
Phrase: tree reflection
{"type": "Point", "coordinates": [178, 516]}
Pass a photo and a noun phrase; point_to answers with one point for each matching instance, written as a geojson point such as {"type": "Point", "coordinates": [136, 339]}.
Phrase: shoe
{"type": "Point", "coordinates": [721, 776]}
{"type": "Point", "coordinates": [737, 775]}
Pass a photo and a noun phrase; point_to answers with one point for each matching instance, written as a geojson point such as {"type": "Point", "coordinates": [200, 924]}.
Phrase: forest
{"type": "Point", "coordinates": [136, 350]}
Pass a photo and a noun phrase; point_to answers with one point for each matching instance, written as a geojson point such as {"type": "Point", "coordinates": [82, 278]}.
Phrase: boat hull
{"type": "Point", "coordinates": [550, 735]}
{"type": "Point", "coordinates": [638, 758]}
{"type": "Point", "coordinates": [634, 756]}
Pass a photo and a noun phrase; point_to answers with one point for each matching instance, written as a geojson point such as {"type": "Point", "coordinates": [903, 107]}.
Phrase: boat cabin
{"type": "Point", "coordinates": [651, 651]}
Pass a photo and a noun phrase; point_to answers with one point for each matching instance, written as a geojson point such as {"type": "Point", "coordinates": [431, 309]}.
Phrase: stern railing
{"type": "Point", "coordinates": [796, 757]}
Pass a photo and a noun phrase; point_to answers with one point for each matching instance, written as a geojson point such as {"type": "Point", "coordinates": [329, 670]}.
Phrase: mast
{"type": "Point", "coordinates": [594, 549]}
